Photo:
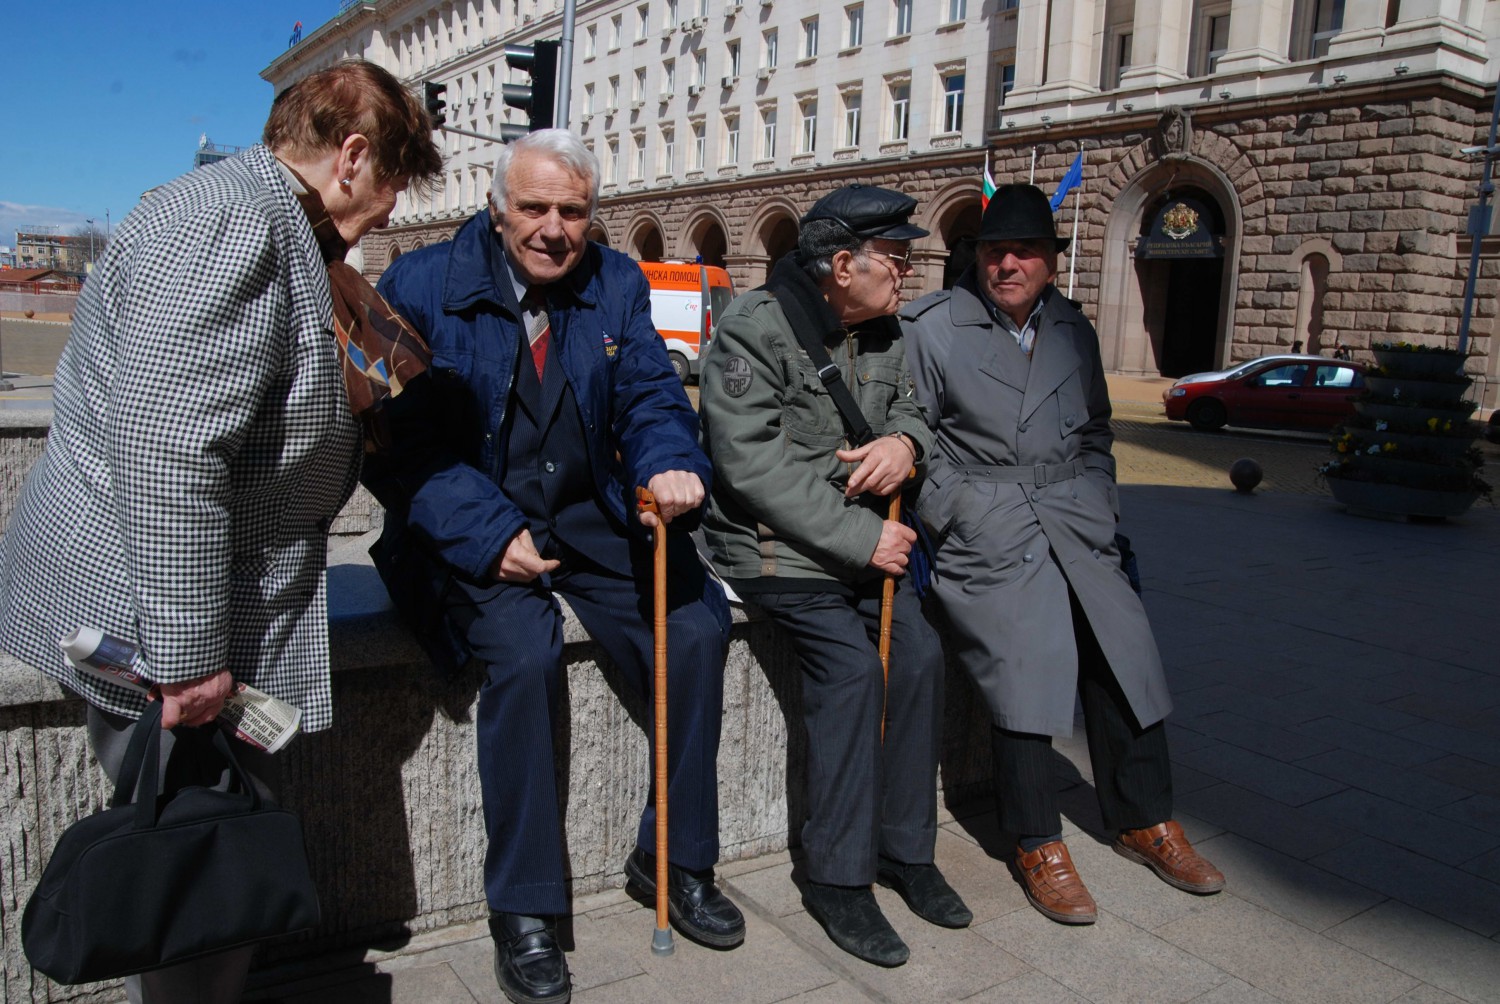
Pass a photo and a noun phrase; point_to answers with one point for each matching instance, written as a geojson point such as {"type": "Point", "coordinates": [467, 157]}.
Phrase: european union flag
{"type": "Point", "coordinates": [1070, 181]}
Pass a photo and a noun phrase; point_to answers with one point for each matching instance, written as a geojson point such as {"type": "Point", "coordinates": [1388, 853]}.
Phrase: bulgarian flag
{"type": "Point", "coordinates": [989, 184]}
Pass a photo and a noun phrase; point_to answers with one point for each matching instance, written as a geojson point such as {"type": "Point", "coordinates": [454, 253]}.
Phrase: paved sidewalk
{"type": "Point", "coordinates": [1337, 751]}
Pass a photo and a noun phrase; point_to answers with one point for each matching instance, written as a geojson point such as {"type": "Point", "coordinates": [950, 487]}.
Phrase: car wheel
{"type": "Point", "coordinates": [1207, 415]}
{"type": "Point", "coordinates": [680, 366]}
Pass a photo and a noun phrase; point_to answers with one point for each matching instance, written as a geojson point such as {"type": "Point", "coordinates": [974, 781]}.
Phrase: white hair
{"type": "Point", "coordinates": [559, 145]}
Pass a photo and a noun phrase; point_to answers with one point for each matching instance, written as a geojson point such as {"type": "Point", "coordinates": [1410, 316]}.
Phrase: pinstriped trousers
{"type": "Point", "coordinates": [1132, 771]}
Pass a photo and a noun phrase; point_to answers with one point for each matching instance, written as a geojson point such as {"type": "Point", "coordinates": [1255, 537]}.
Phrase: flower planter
{"type": "Point", "coordinates": [1421, 390]}
{"type": "Point", "coordinates": [1410, 415]}
{"type": "Point", "coordinates": [1392, 468]}
{"type": "Point", "coordinates": [1418, 364]}
{"type": "Point", "coordinates": [1443, 446]}
{"type": "Point", "coordinates": [1377, 499]}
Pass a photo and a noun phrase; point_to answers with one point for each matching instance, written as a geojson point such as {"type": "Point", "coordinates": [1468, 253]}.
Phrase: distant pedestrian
{"type": "Point", "coordinates": [1297, 347]}
{"type": "Point", "coordinates": [1021, 495]}
{"type": "Point", "coordinates": [1341, 351]}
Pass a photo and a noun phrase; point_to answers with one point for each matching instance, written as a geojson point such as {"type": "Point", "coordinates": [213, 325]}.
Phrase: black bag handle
{"type": "Point", "coordinates": [140, 769]}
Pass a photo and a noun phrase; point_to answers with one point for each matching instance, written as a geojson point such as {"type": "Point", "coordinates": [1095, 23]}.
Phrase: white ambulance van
{"type": "Point", "coordinates": [686, 300]}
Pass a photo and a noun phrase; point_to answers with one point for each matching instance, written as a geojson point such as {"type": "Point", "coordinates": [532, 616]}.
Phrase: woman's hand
{"type": "Point", "coordinates": [195, 702]}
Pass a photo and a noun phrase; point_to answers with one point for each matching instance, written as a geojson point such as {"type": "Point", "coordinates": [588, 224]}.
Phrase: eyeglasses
{"type": "Point", "coordinates": [903, 261]}
{"type": "Point", "coordinates": [569, 212]}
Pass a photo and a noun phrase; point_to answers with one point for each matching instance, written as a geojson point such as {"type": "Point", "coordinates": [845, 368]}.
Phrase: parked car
{"type": "Point", "coordinates": [1492, 427]}
{"type": "Point", "coordinates": [1272, 392]}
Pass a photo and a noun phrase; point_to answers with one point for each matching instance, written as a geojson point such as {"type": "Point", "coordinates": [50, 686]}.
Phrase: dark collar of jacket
{"type": "Point", "coordinates": [471, 276]}
{"type": "Point", "coordinates": [788, 278]}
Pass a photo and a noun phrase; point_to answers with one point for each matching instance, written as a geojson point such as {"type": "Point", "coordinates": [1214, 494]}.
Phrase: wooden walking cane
{"type": "Point", "coordinates": [887, 599]}
{"type": "Point", "coordinates": [661, 938]}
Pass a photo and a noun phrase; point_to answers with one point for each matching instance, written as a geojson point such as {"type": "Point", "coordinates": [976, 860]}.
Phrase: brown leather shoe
{"type": "Point", "coordinates": [1053, 886]}
{"type": "Point", "coordinates": [1165, 850]}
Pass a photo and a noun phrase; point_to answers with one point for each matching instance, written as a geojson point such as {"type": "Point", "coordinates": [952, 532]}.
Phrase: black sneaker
{"type": "Point", "coordinates": [854, 922]}
{"type": "Point", "coordinates": [926, 891]}
{"type": "Point", "coordinates": [696, 906]}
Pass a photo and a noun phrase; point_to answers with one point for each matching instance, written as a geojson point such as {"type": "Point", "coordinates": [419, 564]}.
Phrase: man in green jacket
{"type": "Point", "coordinates": [797, 524]}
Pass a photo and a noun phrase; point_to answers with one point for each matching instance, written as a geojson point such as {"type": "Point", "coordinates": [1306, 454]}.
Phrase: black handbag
{"type": "Point", "coordinates": [170, 878]}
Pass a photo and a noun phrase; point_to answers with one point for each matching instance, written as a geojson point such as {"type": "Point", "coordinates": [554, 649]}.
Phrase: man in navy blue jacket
{"type": "Point", "coordinates": [550, 397]}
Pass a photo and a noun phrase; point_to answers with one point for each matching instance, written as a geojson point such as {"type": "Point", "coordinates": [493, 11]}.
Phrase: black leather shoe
{"type": "Point", "coordinates": [529, 965]}
{"type": "Point", "coordinates": [854, 922]}
{"type": "Point", "coordinates": [926, 891]}
{"type": "Point", "coordinates": [696, 906]}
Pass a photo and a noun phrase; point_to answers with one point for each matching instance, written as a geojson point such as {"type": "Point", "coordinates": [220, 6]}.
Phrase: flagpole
{"type": "Point", "coordinates": [1073, 245]}
{"type": "Point", "coordinates": [1032, 180]}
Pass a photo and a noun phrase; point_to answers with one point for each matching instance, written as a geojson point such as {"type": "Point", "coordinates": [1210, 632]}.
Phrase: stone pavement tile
{"type": "Point", "coordinates": [1449, 842]}
{"type": "Point", "coordinates": [1348, 704]}
{"type": "Point", "coordinates": [629, 991]}
{"type": "Point", "coordinates": [1482, 811]}
{"type": "Point", "coordinates": [771, 889]}
{"type": "Point", "coordinates": [1448, 739]}
{"type": "Point", "coordinates": [1258, 737]}
{"type": "Point", "coordinates": [434, 983]}
{"type": "Point", "coordinates": [1186, 779]}
{"type": "Point", "coordinates": [1111, 961]}
{"type": "Point", "coordinates": [1028, 988]}
{"type": "Point", "coordinates": [594, 958]}
{"type": "Point", "coordinates": [1265, 821]}
{"type": "Point", "coordinates": [945, 964]}
{"type": "Point", "coordinates": [1449, 893]}
{"type": "Point", "coordinates": [985, 882]}
{"type": "Point", "coordinates": [1425, 994]}
{"type": "Point", "coordinates": [1180, 740]}
{"type": "Point", "coordinates": [1446, 709]}
{"type": "Point", "coordinates": [1261, 774]}
{"type": "Point", "coordinates": [1235, 991]}
{"type": "Point", "coordinates": [1369, 774]}
{"type": "Point", "coordinates": [1132, 891]}
{"type": "Point", "coordinates": [1376, 743]}
{"type": "Point", "coordinates": [1227, 697]}
{"type": "Point", "coordinates": [839, 992]}
{"type": "Point", "coordinates": [1464, 772]}
{"type": "Point", "coordinates": [1283, 885]}
{"type": "Point", "coordinates": [1486, 866]}
{"type": "Point", "coordinates": [1282, 958]}
{"type": "Point", "coordinates": [1435, 952]}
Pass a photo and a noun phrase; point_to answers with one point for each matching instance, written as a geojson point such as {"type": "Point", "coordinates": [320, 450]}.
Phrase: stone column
{"type": "Point", "coordinates": [1072, 71]}
{"type": "Point", "coordinates": [1159, 48]}
{"type": "Point", "coordinates": [1363, 32]}
{"type": "Point", "coordinates": [1439, 24]}
{"type": "Point", "coordinates": [1031, 37]}
{"type": "Point", "coordinates": [1255, 39]}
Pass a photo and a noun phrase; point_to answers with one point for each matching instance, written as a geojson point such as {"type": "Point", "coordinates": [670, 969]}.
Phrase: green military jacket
{"type": "Point", "coordinates": [778, 509]}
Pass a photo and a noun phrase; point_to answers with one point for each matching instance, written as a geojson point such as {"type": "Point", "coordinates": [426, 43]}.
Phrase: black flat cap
{"type": "Point", "coordinates": [867, 211]}
{"type": "Point", "coordinates": [1020, 213]}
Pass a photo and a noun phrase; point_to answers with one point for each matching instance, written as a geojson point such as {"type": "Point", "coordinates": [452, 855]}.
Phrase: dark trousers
{"type": "Point", "coordinates": [213, 979]}
{"type": "Point", "coordinates": [865, 798]}
{"type": "Point", "coordinates": [1132, 773]}
{"type": "Point", "coordinates": [516, 630]}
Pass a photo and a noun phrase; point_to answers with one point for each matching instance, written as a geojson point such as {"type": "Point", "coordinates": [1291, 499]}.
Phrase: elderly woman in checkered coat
{"type": "Point", "coordinates": [202, 437]}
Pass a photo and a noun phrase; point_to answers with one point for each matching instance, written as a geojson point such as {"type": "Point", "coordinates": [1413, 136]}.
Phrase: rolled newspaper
{"type": "Point", "coordinates": [251, 715]}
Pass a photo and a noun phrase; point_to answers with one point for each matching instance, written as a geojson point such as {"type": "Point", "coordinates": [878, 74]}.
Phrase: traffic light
{"type": "Point", "coordinates": [537, 98]}
{"type": "Point", "coordinates": [435, 107]}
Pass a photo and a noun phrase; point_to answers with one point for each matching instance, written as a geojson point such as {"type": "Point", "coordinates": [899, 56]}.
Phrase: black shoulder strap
{"type": "Point", "coordinates": [808, 333]}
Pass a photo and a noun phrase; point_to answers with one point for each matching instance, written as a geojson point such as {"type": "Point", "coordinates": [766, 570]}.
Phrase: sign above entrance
{"type": "Point", "coordinates": [1183, 228]}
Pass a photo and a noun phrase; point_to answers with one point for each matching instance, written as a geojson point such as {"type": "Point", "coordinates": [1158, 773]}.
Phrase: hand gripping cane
{"type": "Point", "coordinates": [661, 938]}
{"type": "Point", "coordinates": [887, 600]}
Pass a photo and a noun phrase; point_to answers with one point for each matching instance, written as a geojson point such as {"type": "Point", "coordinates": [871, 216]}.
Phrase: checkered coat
{"type": "Point", "coordinates": [201, 444]}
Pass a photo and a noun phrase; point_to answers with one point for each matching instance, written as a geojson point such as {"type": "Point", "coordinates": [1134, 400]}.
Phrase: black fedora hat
{"type": "Point", "coordinates": [1019, 213]}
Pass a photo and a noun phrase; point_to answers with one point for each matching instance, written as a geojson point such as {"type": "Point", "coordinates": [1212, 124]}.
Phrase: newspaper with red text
{"type": "Point", "coordinates": [249, 714]}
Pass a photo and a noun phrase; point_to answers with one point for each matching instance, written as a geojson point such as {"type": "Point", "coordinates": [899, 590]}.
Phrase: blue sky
{"type": "Point", "coordinates": [105, 100]}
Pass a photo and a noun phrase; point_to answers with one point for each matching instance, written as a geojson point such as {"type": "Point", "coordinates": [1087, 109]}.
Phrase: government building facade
{"type": "Point", "coordinates": [1255, 173]}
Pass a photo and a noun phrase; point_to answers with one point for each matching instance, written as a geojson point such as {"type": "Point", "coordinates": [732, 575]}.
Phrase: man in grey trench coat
{"type": "Point", "coordinates": [1020, 494]}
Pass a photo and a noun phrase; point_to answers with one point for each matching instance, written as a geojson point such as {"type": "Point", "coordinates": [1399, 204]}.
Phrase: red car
{"type": "Point", "coordinates": [1272, 392]}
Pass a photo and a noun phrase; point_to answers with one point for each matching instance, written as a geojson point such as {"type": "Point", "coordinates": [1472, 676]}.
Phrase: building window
{"type": "Point", "coordinates": [768, 133]}
{"type": "Point", "coordinates": [768, 50]}
{"type": "Point", "coordinates": [900, 111]}
{"type": "Point", "coordinates": [700, 68]}
{"type": "Point", "coordinates": [591, 41]}
{"type": "Point", "coordinates": [809, 136]}
{"type": "Point", "coordinates": [953, 102]}
{"type": "Point", "coordinates": [957, 10]}
{"type": "Point", "coordinates": [1119, 60]}
{"type": "Point", "coordinates": [637, 157]}
{"type": "Point", "coordinates": [809, 38]}
{"type": "Point", "coordinates": [668, 78]}
{"type": "Point", "coordinates": [670, 20]}
{"type": "Point", "coordinates": [612, 163]}
{"type": "Point", "coordinates": [642, 22]}
{"type": "Point", "coordinates": [703, 8]}
{"type": "Point", "coordinates": [638, 88]}
{"type": "Point", "coordinates": [614, 36]}
{"type": "Point", "coordinates": [854, 26]}
{"type": "Point", "coordinates": [614, 95]}
{"type": "Point", "coordinates": [1217, 40]}
{"type": "Point", "coordinates": [852, 102]}
{"type": "Point", "coordinates": [733, 48]}
{"type": "Point", "coordinates": [700, 144]}
{"type": "Point", "coordinates": [731, 139]}
{"type": "Point", "coordinates": [668, 150]}
{"type": "Point", "coordinates": [901, 23]}
{"type": "Point", "coordinates": [1005, 82]}
{"type": "Point", "coordinates": [588, 99]}
{"type": "Point", "coordinates": [1327, 21]}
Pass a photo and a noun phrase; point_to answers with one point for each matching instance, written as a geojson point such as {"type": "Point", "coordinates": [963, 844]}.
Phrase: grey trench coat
{"type": "Point", "coordinates": [1008, 552]}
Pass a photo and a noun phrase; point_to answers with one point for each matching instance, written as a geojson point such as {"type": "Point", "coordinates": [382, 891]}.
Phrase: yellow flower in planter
{"type": "Point", "coordinates": [1389, 447]}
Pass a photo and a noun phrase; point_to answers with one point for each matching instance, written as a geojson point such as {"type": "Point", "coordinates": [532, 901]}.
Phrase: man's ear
{"type": "Point", "coordinates": [843, 267]}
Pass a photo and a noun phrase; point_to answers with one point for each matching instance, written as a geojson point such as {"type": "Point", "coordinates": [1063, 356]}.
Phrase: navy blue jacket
{"type": "Point", "coordinates": [442, 482]}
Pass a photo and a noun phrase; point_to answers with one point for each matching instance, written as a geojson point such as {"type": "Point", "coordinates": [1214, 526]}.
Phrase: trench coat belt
{"type": "Point", "coordinates": [1012, 474]}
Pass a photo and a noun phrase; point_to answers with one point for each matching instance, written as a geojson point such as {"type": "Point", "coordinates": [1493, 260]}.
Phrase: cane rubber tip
{"type": "Point", "coordinates": [661, 942]}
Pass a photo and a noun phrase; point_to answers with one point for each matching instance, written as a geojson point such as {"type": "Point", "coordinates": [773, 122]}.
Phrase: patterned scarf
{"type": "Point", "coordinates": [381, 352]}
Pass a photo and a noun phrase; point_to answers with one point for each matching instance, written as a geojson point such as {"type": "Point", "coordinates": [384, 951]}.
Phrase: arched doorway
{"type": "Point", "coordinates": [648, 244]}
{"type": "Point", "coordinates": [1180, 292]}
{"type": "Point", "coordinates": [780, 239]}
{"type": "Point", "coordinates": [711, 243]}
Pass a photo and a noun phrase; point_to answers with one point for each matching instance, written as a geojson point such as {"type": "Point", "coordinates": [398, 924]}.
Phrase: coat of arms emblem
{"type": "Point", "coordinates": [1180, 221]}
